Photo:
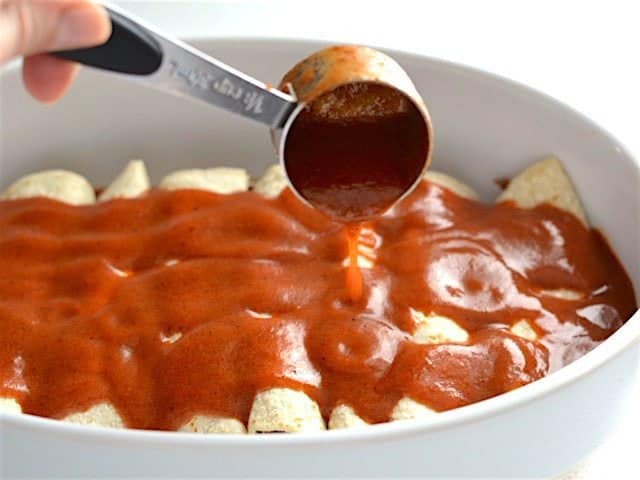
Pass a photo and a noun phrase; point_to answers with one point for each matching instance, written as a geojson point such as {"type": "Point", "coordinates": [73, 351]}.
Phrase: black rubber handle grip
{"type": "Point", "coordinates": [130, 49]}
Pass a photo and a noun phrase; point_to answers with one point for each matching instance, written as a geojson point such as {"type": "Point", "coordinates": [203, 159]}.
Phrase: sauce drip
{"type": "Point", "coordinates": [354, 151]}
{"type": "Point", "coordinates": [189, 302]}
{"type": "Point", "coordinates": [353, 277]}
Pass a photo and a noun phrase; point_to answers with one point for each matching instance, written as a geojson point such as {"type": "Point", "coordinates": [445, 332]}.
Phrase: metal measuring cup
{"type": "Point", "coordinates": [143, 54]}
{"type": "Point", "coordinates": [353, 87]}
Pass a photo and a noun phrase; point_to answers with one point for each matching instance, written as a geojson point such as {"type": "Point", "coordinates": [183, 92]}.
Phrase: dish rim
{"type": "Point", "coordinates": [624, 338]}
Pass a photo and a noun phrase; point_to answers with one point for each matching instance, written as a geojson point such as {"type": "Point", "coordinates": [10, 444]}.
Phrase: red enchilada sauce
{"type": "Point", "coordinates": [190, 302]}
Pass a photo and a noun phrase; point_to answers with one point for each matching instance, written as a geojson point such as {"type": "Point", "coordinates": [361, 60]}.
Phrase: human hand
{"type": "Point", "coordinates": [30, 28]}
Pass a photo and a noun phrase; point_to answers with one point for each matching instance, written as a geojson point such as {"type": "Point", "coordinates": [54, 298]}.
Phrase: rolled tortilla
{"type": "Point", "coordinates": [407, 409]}
{"type": "Point", "coordinates": [523, 329]}
{"type": "Point", "coordinates": [100, 415]}
{"type": "Point", "coordinates": [284, 410]}
{"type": "Point", "coordinates": [217, 180]}
{"type": "Point", "coordinates": [434, 329]}
{"type": "Point", "coordinates": [272, 182]}
{"type": "Point", "coordinates": [456, 186]}
{"type": "Point", "coordinates": [58, 185]}
{"type": "Point", "coordinates": [343, 416]}
{"type": "Point", "coordinates": [132, 182]}
{"type": "Point", "coordinates": [9, 405]}
{"type": "Point", "coordinates": [545, 181]}
{"type": "Point", "coordinates": [209, 424]}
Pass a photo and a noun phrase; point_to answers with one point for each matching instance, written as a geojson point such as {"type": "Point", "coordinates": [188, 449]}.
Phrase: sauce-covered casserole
{"type": "Point", "coordinates": [227, 309]}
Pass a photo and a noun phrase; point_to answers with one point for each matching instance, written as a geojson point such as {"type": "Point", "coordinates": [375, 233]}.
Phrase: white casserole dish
{"type": "Point", "coordinates": [485, 128]}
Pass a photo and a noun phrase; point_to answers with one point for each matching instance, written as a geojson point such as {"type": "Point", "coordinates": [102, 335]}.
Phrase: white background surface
{"type": "Point", "coordinates": [582, 53]}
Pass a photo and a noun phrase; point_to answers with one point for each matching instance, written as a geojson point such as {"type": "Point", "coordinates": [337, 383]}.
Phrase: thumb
{"type": "Point", "coordinates": [29, 27]}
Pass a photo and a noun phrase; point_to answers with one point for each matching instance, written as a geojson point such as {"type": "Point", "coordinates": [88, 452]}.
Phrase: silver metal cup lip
{"type": "Point", "coordinates": [280, 149]}
{"type": "Point", "coordinates": [279, 138]}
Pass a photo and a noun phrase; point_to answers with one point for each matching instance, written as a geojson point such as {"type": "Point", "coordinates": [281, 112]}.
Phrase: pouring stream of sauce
{"type": "Point", "coordinates": [353, 277]}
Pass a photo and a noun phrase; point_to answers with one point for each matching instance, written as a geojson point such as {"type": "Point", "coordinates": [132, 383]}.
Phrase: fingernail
{"type": "Point", "coordinates": [79, 27]}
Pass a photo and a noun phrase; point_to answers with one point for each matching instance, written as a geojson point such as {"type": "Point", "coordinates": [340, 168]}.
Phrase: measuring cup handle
{"type": "Point", "coordinates": [130, 49]}
{"type": "Point", "coordinates": [142, 53]}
